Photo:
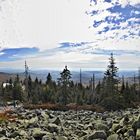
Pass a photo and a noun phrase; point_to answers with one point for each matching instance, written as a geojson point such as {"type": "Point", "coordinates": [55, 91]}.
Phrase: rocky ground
{"type": "Point", "coordinates": [71, 125]}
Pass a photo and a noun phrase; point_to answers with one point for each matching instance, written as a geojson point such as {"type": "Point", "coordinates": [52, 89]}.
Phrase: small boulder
{"type": "Point", "coordinates": [113, 137]}
{"type": "Point", "coordinates": [138, 134]}
{"type": "Point", "coordinates": [14, 134]}
{"type": "Point", "coordinates": [97, 135]}
{"type": "Point", "coordinates": [124, 120]}
{"type": "Point", "coordinates": [3, 132]}
{"type": "Point", "coordinates": [115, 127]}
{"type": "Point", "coordinates": [130, 132]}
{"type": "Point", "coordinates": [48, 136]}
{"type": "Point", "coordinates": [45, 116]}
{"type": "Point", "coordinates": [53, 127]}
{"type": "Point", "coordinates": [101, 126]}
{"type": "Point", "coordinates": [61, 138]}
{"type": "Point", "coordinates": [56, 121]}
{"type": "Point", "coordinates": [38, 133]}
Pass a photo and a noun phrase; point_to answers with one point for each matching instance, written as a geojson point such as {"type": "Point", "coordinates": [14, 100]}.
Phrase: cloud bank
{"type": "Point", "coordinates": [81, 33]}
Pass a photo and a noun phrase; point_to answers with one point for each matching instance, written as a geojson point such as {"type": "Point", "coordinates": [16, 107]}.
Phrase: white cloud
{"type": "Point", "coordinates": [126, 2]}
{"type": "Point", "coordinates": [2, 53]}
{"type": "Point", "coordinates": [46, 23]}
{"type": "Point", "coordinates": [101, 5]}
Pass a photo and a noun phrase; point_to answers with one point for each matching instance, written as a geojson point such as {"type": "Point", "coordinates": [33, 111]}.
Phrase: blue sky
{"type": "Point", "coordinates": [78, 33]}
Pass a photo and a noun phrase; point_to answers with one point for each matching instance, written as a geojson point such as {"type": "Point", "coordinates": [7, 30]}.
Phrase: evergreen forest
{"type": "Point", "coordinates": [111, 92]}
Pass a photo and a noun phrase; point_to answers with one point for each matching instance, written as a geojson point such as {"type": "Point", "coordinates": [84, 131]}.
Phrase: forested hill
{"type": "Point", "coordinates": [42, 74]}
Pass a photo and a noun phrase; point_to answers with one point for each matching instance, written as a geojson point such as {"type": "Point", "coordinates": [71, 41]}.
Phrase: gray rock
{"type": "Point", "coordinates": [56, 121]}
{"type": "Point", "coordinates": [61, 138]}
{"type": "Point", "coordinates": [113, 137]}
{"type": "Point", "coordinates": [23, 133]}
{"type": "Point", "coordinates": [80, 126]}
{"type": "Point", "coordinates": [115, 127]}
{"type": "Point", "coordinates": [97, 135]}
{"type": "Point", "coordinates": [122, 130]}
{"type": "Point", "coordinates": [136, 125]}
{"type": "Point", "coordinates": [45, 116]}
{"type": "Point", "coordinates": [5, 138]}
{"type": "Point", "coordinates": [3, 132]}
{"type": "Point", "coordinates": [71, 125]}
{"type": "Point", "coordinates": [130, 132]}
{"type": "Point", "coordinates": [132, 138]}
{"type": "Point", "coordinates": [138, 134]}
{"type": "Point", "coordinates": [101, 126]}
{"type": "Point", "coordinates": [33, 120]}
{"type": "Point", "coordinates": [80, 133]}
{"type": "Point", "coordinates": [38, 133]}
{"type": "Point", "coordinates": [124, 120]}
{"type": "Point", "coordinates": [14, 134]}
{"type": "Point", "coordinates": [53, 128]}
{"type": "Point", "coordinates": [89, 126]}
{"type": "Point", "coordinates": [48, 136]}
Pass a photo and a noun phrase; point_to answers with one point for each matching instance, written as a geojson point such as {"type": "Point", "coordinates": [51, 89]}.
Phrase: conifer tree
{"type": "Point", "coordinates": [110, 77]}
{"type": "Point", "coordinates": [49, 79]}
{"type": "Point", "coordinates": [29, 87]}
{"type": "Point", "coordinates": [123, 86]}
{"type": "Point", "coordinates": [17, 90]}
{"type": "Point", "coordinates": [65, 81]}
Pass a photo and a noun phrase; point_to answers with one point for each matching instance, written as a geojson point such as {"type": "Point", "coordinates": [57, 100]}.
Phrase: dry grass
{"type": "Point", "coordinates": [5, 115]}
{"type": "Point", "coordinates": [71, 106]}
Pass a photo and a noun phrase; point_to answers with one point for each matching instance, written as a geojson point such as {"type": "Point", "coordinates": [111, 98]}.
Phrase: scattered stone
{"type": "Point", "coordinates": [113, 137]}
{"type": "Point", "coordinates": [61, 138]}
{"type": "Point", "coordinates": [41, 124]}
{"type": "Point", "coordinates": [56, 121]}
{"type": "Point", "coordinates": [138, 134]}
{"type": "Point", "coordinates": [48, 136]}
{"type": "Point", "coordinates": [53, 128]}
{"type": "Point", "coordinates": [101, 126]}
{"type": "Point", "coordinates": [97, 135]}
{"type": "Point", "coordinates": [115, 127]}
{"type": "Point", "coordinates": [38, 133]}
{"type": "Point", "coordinates": [130, 132]}
{"type": "Point", "coordinates": [124, 120]}
{"type": "Point", "coordinates": [3, 132]}
{"type": "Point", "coordinates": [14, 134]}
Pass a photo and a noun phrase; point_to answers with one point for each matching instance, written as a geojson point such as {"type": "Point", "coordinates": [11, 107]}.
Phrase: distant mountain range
{"type": "Point", "coordinates": [42, 74]}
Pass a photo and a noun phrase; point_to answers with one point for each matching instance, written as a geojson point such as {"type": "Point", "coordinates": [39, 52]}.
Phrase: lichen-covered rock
{"type": "Point", "coordinates": [71, 125]}
{"type": "Point", "coordinates": [14, 134]}
{"type": "Point", "coordinates": [61, 138]}
{"type": "Point", "coordinates": [97, 135]}
{"type": "Point", "coordinates": [101, 126]}
{"type": "Point", "coordinates": [138, 134]}
{"type": "Point", "coordinates": [130, 132]}
{"type": "Point", "coordinates": [3, 132]}
{"type": "Point", "coordinates": [48, 136]}
{"type": "Point", "coordinates": [113, 137]}
{"type": "Point", "coordinates": [115, 127]}
{"type": "Point", "coordinates": [38, 133]}
{"type": "Point", "coordinates": [124, 120]}
{"type": "Point", "coordinates": [53, 128]}
{"type": "Point", "coordinates": [56, 121]}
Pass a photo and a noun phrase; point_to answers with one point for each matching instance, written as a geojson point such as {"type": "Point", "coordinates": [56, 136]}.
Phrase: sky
{"type": "Point", "coordinates": [50, 34]}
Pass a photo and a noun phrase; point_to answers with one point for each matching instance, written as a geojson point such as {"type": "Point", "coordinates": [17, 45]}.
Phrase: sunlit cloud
{"type": "Point", "coordinates": [81, 34]}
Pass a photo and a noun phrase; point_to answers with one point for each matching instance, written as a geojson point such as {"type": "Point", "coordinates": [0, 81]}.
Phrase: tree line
{"type": "Point", "coordinates": [112, 92]}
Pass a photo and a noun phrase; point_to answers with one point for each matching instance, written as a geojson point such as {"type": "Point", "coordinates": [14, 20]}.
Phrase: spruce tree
{"type": "Point", "coordinates": [110, 78]}
{"type": "Point", "coordinates": [49, 79]}
{"type": "Point", "coordinates": [29, 87]}
{"type": "Point", "coordinates": [123, 85]}
{"type": "Point", "coordinates": [65, 81]}
{"type": "Point", "coordinates": [17, 89]}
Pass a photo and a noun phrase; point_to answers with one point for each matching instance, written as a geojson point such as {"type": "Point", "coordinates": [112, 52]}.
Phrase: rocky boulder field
{"type": "Point", "coordinates": [41, 124]}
